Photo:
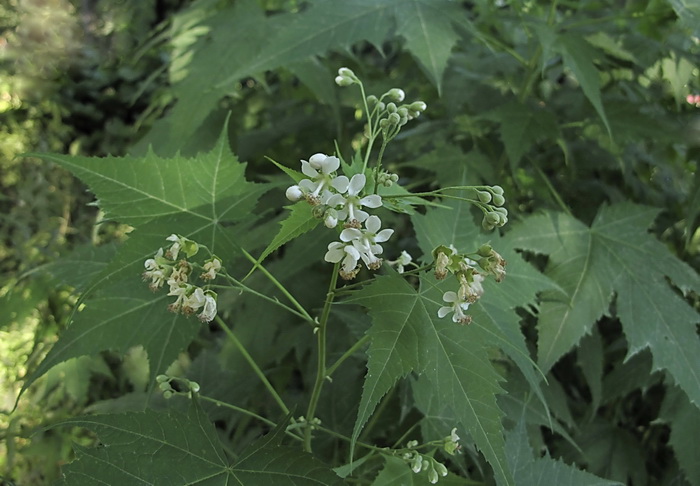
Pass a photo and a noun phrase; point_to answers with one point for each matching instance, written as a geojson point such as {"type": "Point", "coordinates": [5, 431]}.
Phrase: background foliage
{"type": "Point", "coordinates": [583, 111]}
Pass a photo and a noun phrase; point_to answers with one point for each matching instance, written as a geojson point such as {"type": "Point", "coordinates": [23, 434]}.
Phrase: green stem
{"type": "Point", "coordinates": [252, 364]}
{"type": "Point", "coordinates": [244, 288]}
{"type": "Point", "coordinates": [321, 361]}
{"type": "Point", "coordinates": [363, 340]}
{"type": "Point", "coordinates": [277, 284]}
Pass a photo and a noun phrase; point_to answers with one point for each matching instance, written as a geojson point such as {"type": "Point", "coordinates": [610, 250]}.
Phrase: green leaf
{"type": "Point", "coordinates": [543, 471]}
{"type": "Point", "coordinates": [688, 12]}
{"type": "Point", "coordinates": [300, 220]}
{"type": "Point", "coordinates": [522, 126]}
{"type": "Point", "coordinates": [406, 335]}
{"type": "Point", "coordinates": [590, 359]}
{"type": "Point", "coordinates": [430, 37]}
{"type": "Point", "coordinates": [241, 41]}
{"type": "Point", "coordinates": [210, 187]}
{"type": "Point", "coordinates": [615, 255]}
{"type": "Point", "coordinates": [118, 318]}
{"type": "Point", "coordinates": [173, 448]}
{"type": "Point", "coordinates": [578, 56]}
{"type": "Point", "coordinates": [684, 421]}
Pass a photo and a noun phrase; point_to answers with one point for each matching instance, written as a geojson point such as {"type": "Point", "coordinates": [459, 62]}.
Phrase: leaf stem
{"type": "Point", "coordinates": [361, 342]}
{"type": "Point", "coordinates": [321, 361]}
{"type": "Point", "coordinates": [277, 284]}
{"type": "Point", "coordinates": [252, 364]}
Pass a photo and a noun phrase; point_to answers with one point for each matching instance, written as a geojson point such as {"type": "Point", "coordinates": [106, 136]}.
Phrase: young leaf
{"type": "Point", "coordinates": [616, 254]}
{"type": "Point", "coordinates": [173, 448]}
{"type": "Point", "coordinates": [406, 335]}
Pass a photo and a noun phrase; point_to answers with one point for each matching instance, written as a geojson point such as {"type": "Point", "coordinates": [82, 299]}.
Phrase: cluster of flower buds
{"type": "Point", "coordinates": [490, 200]}
{"type": "Point", "coordinates": [184, 386]}
{"type": "Point", "coordinates": [165, 267]}
{"type": "Point", "coordinates": [466, 270]}
{"type": "Point", "coordinates": [384, 111]}
{"type": "Point", "coordinates": [419, 462]}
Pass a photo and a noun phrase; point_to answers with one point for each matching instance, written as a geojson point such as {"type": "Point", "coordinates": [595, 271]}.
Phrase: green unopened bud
{"type": "Point", "coordinates": [432, 476]}
{"type": "Point", "coordinates": [162, 378]}
{"type": "Point", "coordinates": [372, 101]}
{"type": "Point", "coordinates": [497, 190]}
{"type": "Point", "coordinates": [394, 119]}
{"type": "Point", "coordinates": [194, 386]}
{"type": "Point", "coordinates": [168, 394]}
{"type": "Point", "coordinates": [484, 196]}
{"type": "Point", "coordinates": [164, 386]}
{"type": "Point", "coordinates": [418, 106]}
{"type": "Point", "coordinates": [391, 108]}
{"type": "Point", "coordinates": [485, 250]}
{"type": "Point", "coordinates": [396, 94]}
{"type": "Point", "coordinates": [499, 200]}
{"type": "Point", "coordinates": [440, 468]}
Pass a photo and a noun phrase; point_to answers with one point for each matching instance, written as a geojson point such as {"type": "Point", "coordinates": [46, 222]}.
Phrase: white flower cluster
{"type": "Point", "coordinates": [447, 260]}
{"type": "Point", "coordinates": [339, 199]}
{"type": "Point", "coordinates": [164, 267]}
{"type": "Point", "coordinates": [419, 462]}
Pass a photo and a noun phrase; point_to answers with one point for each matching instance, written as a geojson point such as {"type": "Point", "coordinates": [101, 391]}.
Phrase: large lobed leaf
{"type": "Point", "coordinates": [615, 256]}
{"type": "Point", "coordinates": [241, 41]}
{"type": "Point", "coordinates": [191, 197]}
{"type": "Point", "coordinates": [172, 448]}
{"type": "Point", "coordinates": [407, 336]}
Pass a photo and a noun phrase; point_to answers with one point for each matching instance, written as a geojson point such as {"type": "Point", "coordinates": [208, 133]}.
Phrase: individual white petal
{"type": "Point", "coordinates": [335, 252]}
{"type": "Point", "coordinates": [373, 224]}
{"type": "Point", "coordinates": [350, 234]}
{"type": "Point", "coordinates": [357, 183]}
{"type": "Point", "coordinates": [209, 311]}
{"type": "Point", "coordinates": [173, 237]}
{"type": "Point", "coordinates": [308, 185]}
{"type": "Point", "coordinates": [383, 235]}
{"type": "Point", "coordinates": [371, 201]}
{"type": "Point", "coordinates": [335, 200]}
{"type": "Point", "coordinates": [340, 183]}
{"type": "Point", "coordinates": [350, 260]}
{"type": "Point", "coordinates": [449, 296]}
{"type": "Point", "coordinates": [329, 165]}
{"type": "Point", "coordinates": [443, 311]}
{"type": "Point", "coordinates": [308, 170]}
{"type": "Point", "coordinates": [377, 249]}
{"type": "Point", "coordinates": [360, 215]}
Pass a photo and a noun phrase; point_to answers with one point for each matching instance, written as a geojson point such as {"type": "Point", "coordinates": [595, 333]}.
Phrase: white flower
{"type": "Point", "coordinates": [180, 291]}
{"type": "Point", "coordinates": [193, 302]}
{"type": "Point", "coordinates": [351, 205]}
{"type": "Point", "coordinates": [320, 173]}
{"type": "Point", "coordinates": [174, 248]}
{"type": "Point", "coordinates": [338, 251]}
{"type": "Point", "coordinates": [451, 443]}
{"type": "Point", "coordinates": [404, 259]}
{"type": "Point", "coordinates": [155, 271]}
{"type": "Point", "coordinates": [366, 241]}
{"type": "Point", "coordinates": [209, 311]}
{"type": "Point", "coordinates": [211, 269]}
{"type": "Point", "coordinates": [458, 307]}
{"type": "Point", "coordinates": [470, 291]}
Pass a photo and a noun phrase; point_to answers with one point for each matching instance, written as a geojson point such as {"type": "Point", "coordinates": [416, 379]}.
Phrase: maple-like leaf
{"type": "Point", "coordinates": [407, 336]}
{"type": "Point", "coordinates": [190, 197]}
{"type": "Point", "coordinates": [173, 448]}
{"type": "Point", "coordinates": [616, 256]}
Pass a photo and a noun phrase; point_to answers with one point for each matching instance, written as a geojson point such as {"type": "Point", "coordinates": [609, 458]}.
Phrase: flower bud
{"type": "Point", "coordinates": [391, 108]}
{"type": "Point", "coordinates": [394, 119]}
{"type": "Point", "coordinates": [294, 193]}
{"type": "Point", "coordinates": [396, 94]}
{"type": "Point", "coordinates": [432, 476]}
{"type": "Point", "coordinates": [372, 101]}
{"type": "Point", "coordinates": [417, 463]}
{"type": "Point", "coordinates": [418, 106]}
{"type": "Point", "coordinates": [316, 160]}
{"type": "Point", "coordinates": [485, 250]}
{"type": "Point", "coordinates": [440, 468]}
{"type": "Point", "coordinates": [330, 218]}
{"type": "Point", "coordinates": [194, 386]}
{"type": "Point", "coordinates": [499, 200]}
{"type": "Point", "coordinates": [484, 196]}
{"type": "Point", "coordinates": [168, 394]}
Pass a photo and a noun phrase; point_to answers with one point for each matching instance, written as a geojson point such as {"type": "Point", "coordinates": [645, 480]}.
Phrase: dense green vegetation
{"type": "Point", "coordinates": [145, 119]}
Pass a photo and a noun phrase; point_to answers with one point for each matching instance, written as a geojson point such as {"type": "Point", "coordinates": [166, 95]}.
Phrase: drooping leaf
{"type": "Point", "coordinates": [406, 335]}
{"type": "Point", "coordinates": [118, 318]}
{"type": "Point", "coordinates": [684, 420]}
{"type": "Point", "coordinates": [615, 255]}
{"type": "Point", "coordinates": [522, 126]}
{"type": "Point", "coordinates": [578, 56]}
{"type": "Point", "coordinates": [427, 28]}
{"type": "Point", "coordinates": [544, 471]}
{"type": "Point", "coordinates": [174, 448]}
